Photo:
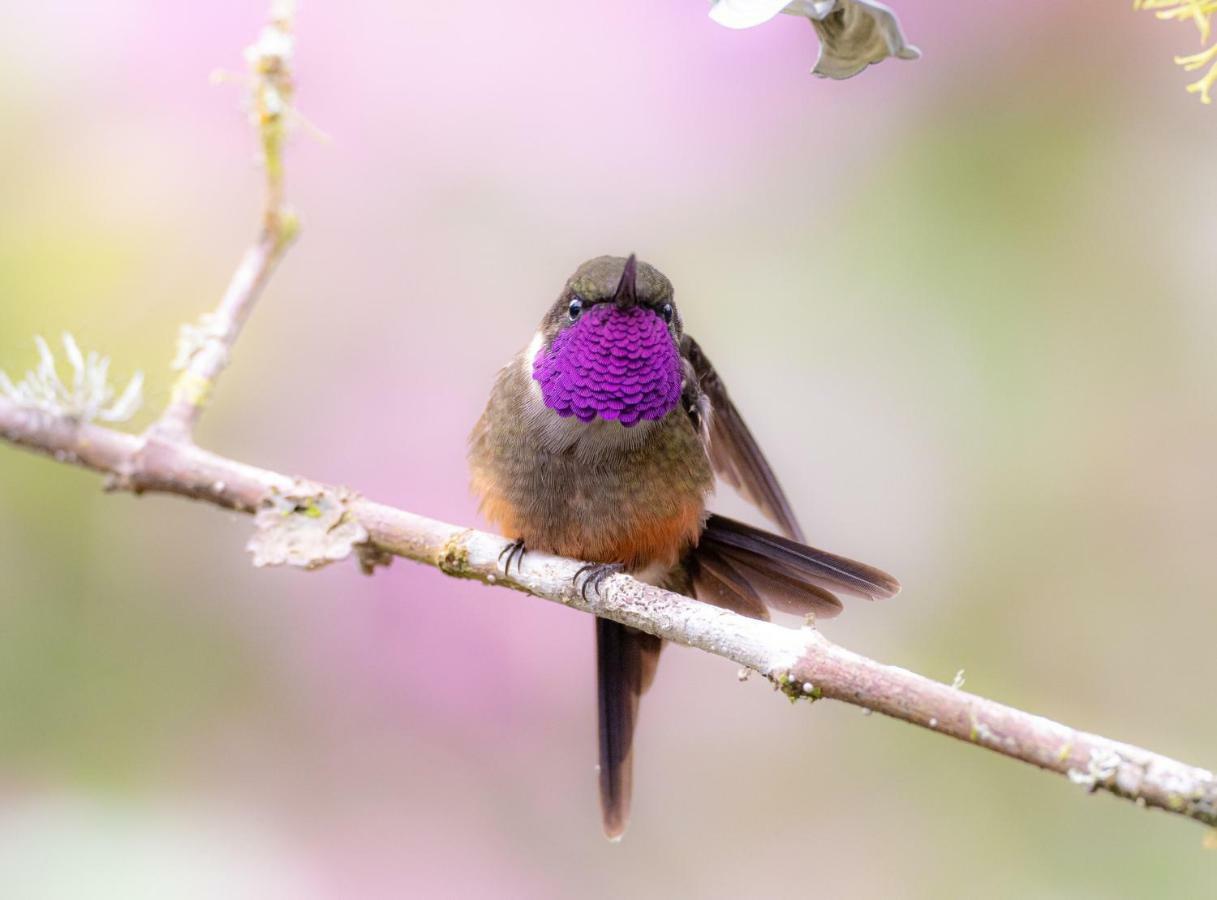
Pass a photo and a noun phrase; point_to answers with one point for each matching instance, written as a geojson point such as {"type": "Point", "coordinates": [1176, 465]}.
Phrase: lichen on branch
{"type": "Point", "coordinates": [270, 63]}
{"type": "Point", "coordinates": [307, 529]}
{"type": "Point", "coordinates": [88, 396]}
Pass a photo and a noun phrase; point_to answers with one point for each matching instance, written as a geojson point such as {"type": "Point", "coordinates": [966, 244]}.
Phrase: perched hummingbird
{"type": "Point", "coordinates": [600, 442]}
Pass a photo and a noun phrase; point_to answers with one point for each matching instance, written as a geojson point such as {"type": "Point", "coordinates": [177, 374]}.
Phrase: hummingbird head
{"type": "Point", "coordinates": [609, 347]}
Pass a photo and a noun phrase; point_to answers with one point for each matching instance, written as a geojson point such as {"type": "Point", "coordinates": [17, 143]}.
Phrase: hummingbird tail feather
{"type": "Point", "coordinates": [740, 567]}
{"type": "Point", "coordinates": [718, 581]}
{"type": "Point", "coordinates": [625, 665]}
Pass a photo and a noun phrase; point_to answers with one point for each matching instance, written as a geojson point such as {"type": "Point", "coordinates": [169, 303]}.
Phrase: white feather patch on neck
{"type": "Point", "coordinates": [527, 361]}
{"type": "Point", "coordinates": [591, 440]}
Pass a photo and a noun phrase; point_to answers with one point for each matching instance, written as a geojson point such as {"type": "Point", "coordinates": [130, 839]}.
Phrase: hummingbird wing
{"type": "Point", "coordinates": [734, 452]}
{"type": "Point", "coordinates": [746, 569]}
{"type": "Point", "coordinates": [625, 665]}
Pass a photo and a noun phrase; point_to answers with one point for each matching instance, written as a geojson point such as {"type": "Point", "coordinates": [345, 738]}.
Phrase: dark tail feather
{"type": "Point", "coordinates": [625, 665]}
{"type": "Point", "coordinates": [716, 580]}
{"type": "Point", "coordinates": [785, 574]}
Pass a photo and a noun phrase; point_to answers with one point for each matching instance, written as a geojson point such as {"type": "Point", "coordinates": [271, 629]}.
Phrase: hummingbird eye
{"type": "Point", "coordinates": [666, 312]}
{"type": "Point", "coordinates": [576, 307]}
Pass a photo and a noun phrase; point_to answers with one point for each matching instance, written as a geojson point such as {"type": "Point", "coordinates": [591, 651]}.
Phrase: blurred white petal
{"type": "Point", "coordinates": [745, 13]}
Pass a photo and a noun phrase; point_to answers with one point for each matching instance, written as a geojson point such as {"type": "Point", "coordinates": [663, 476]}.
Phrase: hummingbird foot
{"type": "Point", "coordinates": [515, 550]}
{"type": "Point", "coordinates": [594, 573]}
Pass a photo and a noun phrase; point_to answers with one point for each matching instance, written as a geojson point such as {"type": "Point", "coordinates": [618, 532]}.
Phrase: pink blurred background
{"type": "Point", "coordinates": [966, 303]}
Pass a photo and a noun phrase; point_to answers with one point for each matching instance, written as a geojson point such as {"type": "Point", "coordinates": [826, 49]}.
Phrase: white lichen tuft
{"type": "Point", "coordinates": [192, 337]}
{"type": "Point", "coordinates": [275, 44]}
{"type": "Point", "coordinates": [958, 681]}
{"type": "Point", "coordinates": [269, 60]}
{"type": "Point", "coordinates": [307, 530]}
{"type": "Point", "coordinates": [982, 733]}
{"type": "Point", "coordinates": [87, 397]}
{"type": "Point", "coordinates": [1101, 767]}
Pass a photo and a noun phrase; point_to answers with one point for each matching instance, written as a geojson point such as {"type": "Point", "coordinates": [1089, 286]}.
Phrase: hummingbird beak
{"type": "Point", "coordinates": [627, 292]}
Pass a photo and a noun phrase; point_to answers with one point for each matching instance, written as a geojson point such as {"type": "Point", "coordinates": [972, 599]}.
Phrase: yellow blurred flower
{"type": "Point", "coordinates": [1199, 12]}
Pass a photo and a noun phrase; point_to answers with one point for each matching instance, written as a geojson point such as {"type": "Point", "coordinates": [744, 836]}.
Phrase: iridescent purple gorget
{"type": "Point", "coordinates": [619, 364]}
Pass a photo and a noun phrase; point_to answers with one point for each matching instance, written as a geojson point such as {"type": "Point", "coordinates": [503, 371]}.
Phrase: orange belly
{"type": "Point", "coordinates": [637, 534]}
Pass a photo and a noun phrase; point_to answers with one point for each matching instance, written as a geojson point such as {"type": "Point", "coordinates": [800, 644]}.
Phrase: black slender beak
{"type": "Point", "coordinates": [627, 291]}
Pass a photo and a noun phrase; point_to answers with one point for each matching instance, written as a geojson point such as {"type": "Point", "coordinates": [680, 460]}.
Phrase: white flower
{"type": "Point", "coordinates": [853, 33]}
{"type": "Point", "coordinates": [88, 397]}
{"type": "Point", "coordinates": [745, 13]}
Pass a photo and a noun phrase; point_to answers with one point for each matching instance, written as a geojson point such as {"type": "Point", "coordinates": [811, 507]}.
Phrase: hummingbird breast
{"type": "Point", "coordinates": [594, 490]}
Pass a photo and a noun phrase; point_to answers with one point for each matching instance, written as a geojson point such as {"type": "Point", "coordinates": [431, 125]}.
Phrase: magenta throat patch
{"type": "Point", "coordinates": [618, 364]}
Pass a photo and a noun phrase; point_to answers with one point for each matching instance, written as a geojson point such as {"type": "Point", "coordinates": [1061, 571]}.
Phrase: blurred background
{"type": "Point", "coordinates": [966, 303]}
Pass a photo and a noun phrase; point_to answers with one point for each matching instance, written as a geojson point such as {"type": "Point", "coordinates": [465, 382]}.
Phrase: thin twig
{"type": "Point", "coordinates": [204, 349]}
{"type": "Point", "coordinates": [802, 662]}
{"type": "Point", "coordinates": [192, 391]}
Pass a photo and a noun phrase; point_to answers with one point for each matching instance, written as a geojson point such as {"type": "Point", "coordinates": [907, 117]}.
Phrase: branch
{"type": "Point", "coordinates": [203, 349]}
{"type": "Point", "coordinates": [801, 662]}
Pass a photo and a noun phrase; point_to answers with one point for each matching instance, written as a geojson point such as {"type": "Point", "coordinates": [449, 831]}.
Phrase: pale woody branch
{"type": "Point", "coordinates": [203, 348]}
{"type": "Point", "coordinates": [802, 662]}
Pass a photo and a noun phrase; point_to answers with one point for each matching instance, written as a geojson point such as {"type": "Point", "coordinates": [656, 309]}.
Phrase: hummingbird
{"type": "Point", "coordinates": [601, 441]}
